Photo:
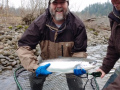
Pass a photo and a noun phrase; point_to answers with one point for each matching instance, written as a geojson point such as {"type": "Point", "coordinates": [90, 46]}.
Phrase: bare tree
{"type": "Point", "coordinates": [33, 9]}
{"type": "Point", "coordinates": [7, 8]}
{"type": "Point", "coordinates": [1, 6]}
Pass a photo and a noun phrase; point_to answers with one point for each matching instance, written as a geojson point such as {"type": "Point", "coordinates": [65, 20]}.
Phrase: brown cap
{"type": "Point", "coordinates": [54, 0]}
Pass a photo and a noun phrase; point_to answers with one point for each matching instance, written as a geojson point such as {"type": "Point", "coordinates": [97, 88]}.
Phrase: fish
{"type": "Point", "coordinates": [68, 64]}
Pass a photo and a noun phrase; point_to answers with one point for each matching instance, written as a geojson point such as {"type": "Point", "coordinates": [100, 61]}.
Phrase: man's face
{"type": "Point", "coordinates": [116, 4]}
{"type": "Point", "coordinates": [59, 9]}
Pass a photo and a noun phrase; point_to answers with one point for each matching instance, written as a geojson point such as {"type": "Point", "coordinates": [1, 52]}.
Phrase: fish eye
{"type": "Point", "coordinates": [90, 62]}
{"type": "Point", "coordinates": [93, 62]}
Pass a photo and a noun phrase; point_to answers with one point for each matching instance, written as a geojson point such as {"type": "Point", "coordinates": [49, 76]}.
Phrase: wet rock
{"type": "Point", "coordinates": [11, 60]}
{"type": "Point", "coordinates": [11, 57]}
{"type": "Point", "coordinates": [1, 38]}
{"type": "Point", "coordinates": [1, 46]}
{"type": "Point", "coordinates": [9, 63]}
{"type": "Point", "coordinates": [3, 60]}
{"type": "Point", "coordinates": [9, 42]}
{"type": "Point", "coordinates": [7, 68]}
{"type": "Point", "coordinates": [14, 63]}
{"type": "Point", "coordinates": [6, 48]}
{"type": "Point", "coordinates": [18, 62]}
{"type": "Point", "coordinates": [6, 53]}
{"type": "Point", "coordinates": [0, 70]}
{"type": "Point", "coordinates": [4, 63]}
{"type": "Point", "coordinates": [1, 32]}
{"type": "Point", "coordinates": [9, 37]}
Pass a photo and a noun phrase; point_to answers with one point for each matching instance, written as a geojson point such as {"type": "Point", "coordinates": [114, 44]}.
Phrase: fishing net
{"type": "Point", "coordinates": [55, 81]}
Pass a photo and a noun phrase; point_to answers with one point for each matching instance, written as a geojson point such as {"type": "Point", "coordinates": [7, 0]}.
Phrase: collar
{"type": "Point", "coordinates": [115, 15]}
{"type": "Point", "coordinates": [52, 26]}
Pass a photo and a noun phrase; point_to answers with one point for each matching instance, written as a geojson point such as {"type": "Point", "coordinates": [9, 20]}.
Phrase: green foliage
{"type": "Point", "coordinates": [107, 38]}
{"type": "Point", "coordinates": [10, 27]}
{"type": "Point", "coordinates": [95, 33]}
{"type": "Point", "coordinates": [19, 26]}
{"type": "Point", "coordinates": [26, 27]}
{"type": "Point", "coordinates": [98, 9]}
{"type": "Point", "coordinates": [91, 29]}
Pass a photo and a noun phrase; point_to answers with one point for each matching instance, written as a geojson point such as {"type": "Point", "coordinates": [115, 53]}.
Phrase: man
{"type": "Point", "coordinates": [113, 52]}
{"type": "Point", "coordinates": [59, 33]}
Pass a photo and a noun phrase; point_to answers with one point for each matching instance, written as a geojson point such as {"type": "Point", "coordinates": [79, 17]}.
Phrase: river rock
{"type": "Point", "coordinates": [2, 57]}
{"type": "Point", "coordinates": [14, 63]}
{"type": "Point", "coordinates": [11, 57]}
{"type": "Point", "coordinates": [4, 63]}
{"type": "Point", "coordinates": [3, 60]}
{"type": "Point", "coordinates": [9, 37]}
{"type": "Point", "coordinates": [7, 68]}
{"type": "Point", "coordinates": [18, 61]}
{"type": "Point", "coordinates": [1, 46]}
{"type": "Point", "coordinates": [1, 38]}
{"type": "Point", "coordinates": [0, 70]}
{"type": "Point", "coordinates": [6, 53]}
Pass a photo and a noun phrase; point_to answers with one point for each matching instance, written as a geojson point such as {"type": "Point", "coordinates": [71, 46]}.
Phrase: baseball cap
{"type": "Point", "coordinates": [54, 0]}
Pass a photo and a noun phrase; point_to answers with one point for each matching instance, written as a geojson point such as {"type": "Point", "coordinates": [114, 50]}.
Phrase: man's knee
{"type": "Point", "coordinates": [36, 83]}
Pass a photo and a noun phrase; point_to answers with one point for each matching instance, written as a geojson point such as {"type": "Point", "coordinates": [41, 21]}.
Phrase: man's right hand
{"type": "Point", "coordinates": [103, 73]}
{"type": "Point", "coordinates": [41, 70]}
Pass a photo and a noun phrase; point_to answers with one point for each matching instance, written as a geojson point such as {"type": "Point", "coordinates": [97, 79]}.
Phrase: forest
{"type": "Point", "coordinates": [98, 9]}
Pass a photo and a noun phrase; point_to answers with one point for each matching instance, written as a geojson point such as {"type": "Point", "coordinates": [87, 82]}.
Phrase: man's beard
{"type": "Point", "coordinates": [59, 16]}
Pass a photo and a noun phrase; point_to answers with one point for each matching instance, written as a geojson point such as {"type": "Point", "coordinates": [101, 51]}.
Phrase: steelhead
{"type": "Point", "coordinates": [67, 64]}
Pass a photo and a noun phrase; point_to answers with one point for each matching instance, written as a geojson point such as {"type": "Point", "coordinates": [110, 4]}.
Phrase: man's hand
{"type": "Point", "coordinates": [79, 71]}
{"type": "Point", "coordinates": [103, 73]}
{"type": "Point", "coordinates": [41, 70]}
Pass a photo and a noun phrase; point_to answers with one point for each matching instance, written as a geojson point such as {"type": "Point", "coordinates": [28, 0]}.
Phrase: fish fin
{"type": "Point", "coordinates": [78, 66]}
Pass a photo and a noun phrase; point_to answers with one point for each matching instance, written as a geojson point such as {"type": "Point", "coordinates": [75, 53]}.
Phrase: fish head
{"type": "Point", "coordinates": [86, 65]}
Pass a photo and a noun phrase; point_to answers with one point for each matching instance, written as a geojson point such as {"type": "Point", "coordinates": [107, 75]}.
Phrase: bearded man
{"type": "Point", "coordinates": [59, 33]}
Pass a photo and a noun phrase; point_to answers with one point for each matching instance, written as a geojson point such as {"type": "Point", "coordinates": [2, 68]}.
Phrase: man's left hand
{"type": "Point", "coordinates": [78, 72]}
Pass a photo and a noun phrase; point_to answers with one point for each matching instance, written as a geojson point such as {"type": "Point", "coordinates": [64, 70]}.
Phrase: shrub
{"type": "Point", "coordinates": [19, 26]}
{"type": "Point", "coordinates": [10, 27]}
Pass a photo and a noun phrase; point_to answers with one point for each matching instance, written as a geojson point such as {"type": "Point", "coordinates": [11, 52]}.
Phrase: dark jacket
{"type": "Point", "coordinates": [68, 40]}
{"type": "Point", "coordinates": [113, 50]}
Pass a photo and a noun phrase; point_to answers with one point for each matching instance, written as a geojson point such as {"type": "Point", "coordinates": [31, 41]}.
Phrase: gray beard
{"type": "Point", "coordinates": [59, 17]}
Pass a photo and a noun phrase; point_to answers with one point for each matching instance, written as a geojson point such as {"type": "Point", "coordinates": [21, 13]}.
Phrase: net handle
{"type": "Point", "coordinates": [96, 83]}
{"type": "Point", "coordinates": [18, 85]}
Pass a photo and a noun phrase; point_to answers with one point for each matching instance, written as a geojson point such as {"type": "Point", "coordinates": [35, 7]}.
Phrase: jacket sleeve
{"type": "Point", "coordinates": [28, 41]}
{"type": "Point", "coordinates": [80, 43]}
{"type": "Point", "coordinates": [111, 56]}
{"type": "Point", "coordinates": [31, 36]}
{"type": "Point", "coordinates": [28, 59]}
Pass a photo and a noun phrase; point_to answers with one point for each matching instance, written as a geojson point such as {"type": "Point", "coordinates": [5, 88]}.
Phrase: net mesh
{"type": "Point", "coordinates": [55, 81]}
